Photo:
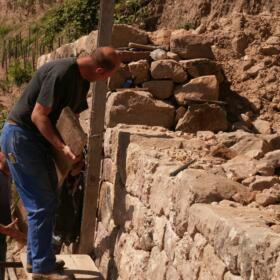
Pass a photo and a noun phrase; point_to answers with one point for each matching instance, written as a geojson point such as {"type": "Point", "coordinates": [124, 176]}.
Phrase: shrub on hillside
{"type": "Point", "coordinates": [20, 73]}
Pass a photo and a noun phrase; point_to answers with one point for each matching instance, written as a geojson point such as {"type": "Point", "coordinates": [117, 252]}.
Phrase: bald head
{"type": "Point", "coordinates": [101, 65]}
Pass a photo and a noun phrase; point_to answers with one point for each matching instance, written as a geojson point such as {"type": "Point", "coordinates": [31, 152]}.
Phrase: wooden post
{"type": "Point", "coordinates": [89, 214]}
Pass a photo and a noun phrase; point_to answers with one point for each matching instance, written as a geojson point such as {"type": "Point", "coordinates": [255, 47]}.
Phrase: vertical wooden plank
{"type": "Point", "coordinates": [96, 137]}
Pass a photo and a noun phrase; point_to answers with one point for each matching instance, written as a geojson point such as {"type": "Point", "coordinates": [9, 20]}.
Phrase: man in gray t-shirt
{"type": "Point", "coordinates": [28, 136]}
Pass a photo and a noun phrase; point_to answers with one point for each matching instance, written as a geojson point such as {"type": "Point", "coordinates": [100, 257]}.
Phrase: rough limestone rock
{"type": "Point", "coordinates": [273, 158]}
{"type": "Point", "coordinates": [243, 166]}
{"type": "Point", "coordinates": [64, 51]}
{"type": "Point", "coordinates": [129, 56]}
{"type": "Point", "coordinates": [160, 37]}
{"type": "Point", "coordinates": [202, 67]}
{"type": "Point", "coordinates": [139, 70]}
{"type": "Point", "coordinates": [212, 267]}
{"type": "Point", "coordinates": [240, 43]}
{"type": "Point", "coordinates": [160, 89]}
{"type": "Point", "coordinates": [172, 55]}
{"type": "Point", "coordinates": [158, 54]}
{"type": "Point", "coordinates": [168, 69]}
{"type": "Point", "coordinates": [180, 112]}
{"type": "Point", "coordinates": [240, 237]}
{"type": "Point", "coordinates": [251, 146]}
{"type": "Point", "coordinates": [268, 197]}
{"type": "Point", "coordinates": [203, 117]}
{"type": "Point", "coordinates": [138, 107]}
{"type": "Point", "coordinates": [190, 46]}
{"type": "Point", "coordinates": [123, 34]}
{"type": "Point", "coordinates": [263, 182]}
{"type": "Point", "coordinates": [86, 45]}
{"type": "Point", "coordinates": [262, 126]}
{"type": "Point", "coordinates": [206, 87]}
{"type": "Point", "coordinates": [157, 265]}
{"type": "Point", "coordinates": [198, 186]}
{"type": "Point", "coordinates": [119, 78]}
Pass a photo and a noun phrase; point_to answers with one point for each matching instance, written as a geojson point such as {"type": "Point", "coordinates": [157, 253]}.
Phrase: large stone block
{"type": "Point", "coordinates": [118, 79]}
{"type": "Point", "coordinates": [251, 146]}
{"type": "Point", "coordinates": [202, 67]}
{"type": "Point", "coordinates": [168, 69]}
{"type": "Point", "coordinates": [190, 46]}
{"type": "Point", "coordinates": [64, 51]}
{"type": "Point", "coordinates": [242, 166]}
{"type": "Point", "coordinates": [129, 56]}
{"type": "Point", "coordinates": [206, 87]}
{"type": "Point", "coordinates": [123, 34]}
{"type": "Point", "coordinates": [72, 134]}
{"type": "Point", "coordinates": [139, 70]}
{"type": "Point", "coordinates": [86, 45]}
{"type": "Point", "coordinates": [198, 186]}
{"type": "Point", "coordinates": [106, 204]}
{"type": "Point", "coordinates": [160, 89]}
{"type": "Point", "coordinates": [212, 267]}
{"type": "Point", "coordinates": [157, 265]}
{"type": "Point", "coordinates": [203, 117]}
{"type": "Point", "coordinates": [138, 107]}
{"type": "Point", "coordinates": [160, 37]}
{"type": "Point", "coordinates": [132, 264]}
{"type": "Point", "coordinates": [240, 237]}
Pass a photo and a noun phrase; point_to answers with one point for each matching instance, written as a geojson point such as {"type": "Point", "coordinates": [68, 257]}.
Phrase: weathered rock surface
{"type": "Point", "coordinates": [190, 46]}
{"type": "Point", "coordinates": [138, 107]}
{"type": "Point", "coordinates": [139, 70]}
{"type": "Point", "coordinates": [240, 237]}
{"type": "Point", "coordinates": [191, 225]}
{"type": "Point", "coordinates": [160, 89]}
{"type": "Point", "coordinates": [168, 69]}
{"type": "Point", "coordinates": [158, 54]}
{"type": "Point", "coordinates": [206, 87]}
{"type": "Point", "coordinates": [118, 79]}
{"type": "Point", "coordinates": [203, 117]}
{"type": "Point", "coordinates": [202, 67]}
{"type": "Point", "coordinates": [160, 37]}
{"type": "Point", "coordinates": [123, 34]}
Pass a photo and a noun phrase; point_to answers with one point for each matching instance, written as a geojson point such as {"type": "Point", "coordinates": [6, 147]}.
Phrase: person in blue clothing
{"type": "Point", "coordinates": [7, 227]}
{"type": "Point", "coordinates": [29, 136]}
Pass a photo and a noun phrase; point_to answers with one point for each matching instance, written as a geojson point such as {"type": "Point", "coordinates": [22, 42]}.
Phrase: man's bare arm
{"type": "Point", "coordinates": [10, 230]}
{"type": "Point", "coordinates": [41, 119]}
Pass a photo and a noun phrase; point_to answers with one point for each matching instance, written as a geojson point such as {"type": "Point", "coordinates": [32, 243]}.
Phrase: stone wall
{"type": "Point", "coordinates": [198, 223]}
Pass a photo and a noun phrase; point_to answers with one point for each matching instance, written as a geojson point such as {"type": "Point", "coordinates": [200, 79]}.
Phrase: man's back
{"type": "Point", "coordinates": [56, 84]}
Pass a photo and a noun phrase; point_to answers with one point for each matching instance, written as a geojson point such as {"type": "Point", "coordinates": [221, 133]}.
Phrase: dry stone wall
{"type": "Point", "coordinates": [199, 200]}
{"type": "Point", "coordinates": [203, 222]}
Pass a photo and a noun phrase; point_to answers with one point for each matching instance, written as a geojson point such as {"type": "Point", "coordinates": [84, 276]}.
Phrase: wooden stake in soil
{"type": "Point", "coordinates": [96, 137]}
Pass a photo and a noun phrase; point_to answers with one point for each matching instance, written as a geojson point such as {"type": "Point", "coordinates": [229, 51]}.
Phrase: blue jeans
{"type": "Point", "coordinates": [33, 171]}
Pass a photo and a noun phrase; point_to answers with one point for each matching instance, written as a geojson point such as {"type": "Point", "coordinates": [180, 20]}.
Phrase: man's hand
{"type": "Point", "coordinates": [70, 155]}
{"type": "Point", "coordinates": [13, 232]}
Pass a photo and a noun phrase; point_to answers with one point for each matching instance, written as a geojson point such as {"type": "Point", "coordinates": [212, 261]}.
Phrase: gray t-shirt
{"type": "Point", "coordinates": [56, 84]}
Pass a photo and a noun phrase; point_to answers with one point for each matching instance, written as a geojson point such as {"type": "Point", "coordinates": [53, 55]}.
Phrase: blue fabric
{"type": "Point", "coordinates": [33, 170]}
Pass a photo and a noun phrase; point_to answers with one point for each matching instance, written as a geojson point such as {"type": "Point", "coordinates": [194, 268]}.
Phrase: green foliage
{"type": "Point", "coordinates": [187, 26]}
{"type": "Point", "coordinates": [129, 11]}
{"type": "Point", "coordinates": [20, 73]}
{"type": "Point", "coordinates": [3, 117]}
{"type": "Point", "coordinates": [5, 85]}
{"type": "Point", "coordinates": [72, 19]}
{"type": "Point", "coordinates": [4, 30]}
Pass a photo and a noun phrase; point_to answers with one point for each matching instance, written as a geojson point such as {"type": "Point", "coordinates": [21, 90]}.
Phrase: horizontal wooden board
{"type": "Point", "coordinates": [81, 266]}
